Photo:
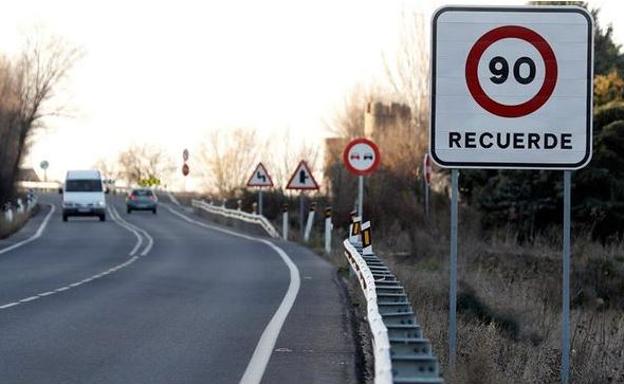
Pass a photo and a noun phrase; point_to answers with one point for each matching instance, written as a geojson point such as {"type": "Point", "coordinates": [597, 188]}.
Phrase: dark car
{"type": "Point", "coordinates": [141, 200]}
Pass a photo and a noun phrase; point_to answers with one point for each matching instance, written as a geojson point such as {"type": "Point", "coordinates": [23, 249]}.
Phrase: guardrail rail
{"type": "Point", "coordinates": [238, 215]}
{"type": "Point", "coordinates": [401, 353]}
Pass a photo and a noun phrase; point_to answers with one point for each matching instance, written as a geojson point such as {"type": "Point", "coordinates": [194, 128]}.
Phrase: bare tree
{"type": "Point", "coordinates": [408, 74]}
{"type": "Point", "coordinates": [28, 85]}
{"type": "Point", "coordinates": [285, 157]}
{"type": "Point", "coordinates": [228, 158]}
{"type": "Point", "coordinates": [139, 163]}
{"type": "Point", "coordinates": [349, 121]}
{"type": "Point", "coordinates": [109, 168]}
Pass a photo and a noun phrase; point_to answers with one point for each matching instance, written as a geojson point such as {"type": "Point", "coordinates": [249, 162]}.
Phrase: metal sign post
{"type": "Point", "coordinates": [426, 180]}
{"type": "Point", "coordinates": [301, 214]}
{"type": "Point", "coordinates": [44, 165]}
{"type": "Point", "coordinates": [453, 270]}
{"type": "Point", "coordinates": [260, 201]}
{"type": "Point", "coordinates": [360, 203]}
{"type": "Point", "coordinates": [565, 321]}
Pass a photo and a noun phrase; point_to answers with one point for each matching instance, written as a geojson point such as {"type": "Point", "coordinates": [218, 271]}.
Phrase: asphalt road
{"type": "Point", "coordinates": [162, 299]}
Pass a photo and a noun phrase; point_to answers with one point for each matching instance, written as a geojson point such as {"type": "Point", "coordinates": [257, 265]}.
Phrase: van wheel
{"type": "Point", "coordinates": [64, 217]}
{"type": "Point", "coordinates": [102, 217]}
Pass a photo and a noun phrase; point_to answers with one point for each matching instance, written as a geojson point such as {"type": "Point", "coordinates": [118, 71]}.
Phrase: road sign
{"type": "Point", "coordinates": [185, 154]}
{"type": "Point", "coordinates": [302, 178]}
{"type": "Point", "coordinates": [361, 157]}
{"type": "Point", "coordinates": [427, 168]}
{"type": "Point", "coordinates": [44, 164]}
{"type": "Point", "coordinates": [511, 87]}
{"type": "Point", "coordinates": [260, 177]}
{"type": "Point", "coordinates": [185, 169]}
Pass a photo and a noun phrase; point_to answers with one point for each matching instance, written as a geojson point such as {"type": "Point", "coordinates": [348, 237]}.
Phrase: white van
{"type": "Point", "coordinates": [83, 194]}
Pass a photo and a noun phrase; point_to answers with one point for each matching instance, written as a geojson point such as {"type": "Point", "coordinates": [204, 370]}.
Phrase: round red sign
{"type": "Point", "coordinates": [361, 157]}
{"type": "Point", "coordinates": [550, 76]}
{"type": "Point", "coordinates": [185, 169]}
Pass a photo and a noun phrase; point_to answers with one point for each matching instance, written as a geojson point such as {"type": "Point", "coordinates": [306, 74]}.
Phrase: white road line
{"type": "Point", "coordinates": [118, 220]}
{"type": "Point", "coordinates": [31, 298]}
{"type": "Point", "coordinates": [132, 227]}
{"type": "Point", "coordinates": [173, 199]}
{"type": "Point", "coordinates": [37, 234]}
{"type": "Point", "coordinates": [260, 358]}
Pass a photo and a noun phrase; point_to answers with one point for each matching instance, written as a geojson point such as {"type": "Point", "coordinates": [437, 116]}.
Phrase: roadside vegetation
{"type": "Point", "coordinates": [510, 232]}
{"type": "Point", "coordinates": [29, 82]}
{"type": "Point", "coordinates": [19, 220]}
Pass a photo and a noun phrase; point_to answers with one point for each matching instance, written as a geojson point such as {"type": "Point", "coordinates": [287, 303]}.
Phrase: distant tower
{"type": "Point", "coordinates": [382, 118]}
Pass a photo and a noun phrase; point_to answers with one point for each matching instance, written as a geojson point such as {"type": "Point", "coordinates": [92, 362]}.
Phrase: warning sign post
{"type": "Point", "coordinates": [512, 87]}
{"type": "Point", "coordinates": [302, 180]}
{"type": "Point", "coordinates": [260, 178]}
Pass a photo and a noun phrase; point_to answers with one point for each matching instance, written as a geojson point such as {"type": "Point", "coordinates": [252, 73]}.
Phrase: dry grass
{"type": "Point", "coordinates": [19, 220]}
{"type": "Point", "coordinates": [509, 306]}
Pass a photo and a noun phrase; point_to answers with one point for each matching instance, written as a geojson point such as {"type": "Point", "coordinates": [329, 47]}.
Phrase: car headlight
{"type": "Point", "coordinates": [101, 203]}
{"type": "Point", "coordinates": [68, 204]}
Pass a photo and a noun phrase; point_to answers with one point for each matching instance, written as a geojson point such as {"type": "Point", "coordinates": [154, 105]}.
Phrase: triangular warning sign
{"type": "Point", "coordinates": [260, 177]}
{"type": "Point", "coordinates": [302, 178]}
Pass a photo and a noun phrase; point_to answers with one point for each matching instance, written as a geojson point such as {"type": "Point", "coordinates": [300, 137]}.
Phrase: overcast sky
{"type": "Point", "coordinates": [166, 72]}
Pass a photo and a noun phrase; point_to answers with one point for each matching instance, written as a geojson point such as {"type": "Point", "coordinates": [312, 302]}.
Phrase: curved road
{"type": "Point", "coordinates": [148, 298]}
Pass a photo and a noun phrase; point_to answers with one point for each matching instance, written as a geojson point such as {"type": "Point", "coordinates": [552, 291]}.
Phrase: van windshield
{"type": "Point", "coordinates": [83, 185]}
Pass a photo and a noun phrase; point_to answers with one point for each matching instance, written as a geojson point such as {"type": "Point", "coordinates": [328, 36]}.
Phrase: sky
{"type": "Point", "coordinates": [168, 72]}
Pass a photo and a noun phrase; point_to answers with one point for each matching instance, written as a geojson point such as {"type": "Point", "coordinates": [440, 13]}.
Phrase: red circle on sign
{"type": "Point", "coordinates": [185, 169]}
{"type": "Point", "coordinates": [472, 65]}
{"type": "Point", "coordinates": [347, 160]}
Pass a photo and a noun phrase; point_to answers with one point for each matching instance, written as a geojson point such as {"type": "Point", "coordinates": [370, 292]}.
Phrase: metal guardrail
{"type": "Point", "coordinates": [401, 353]}
{"type": "Point", "coordinates": [39, 185]}
{"type": "Point", "coordinates": [238, 215]}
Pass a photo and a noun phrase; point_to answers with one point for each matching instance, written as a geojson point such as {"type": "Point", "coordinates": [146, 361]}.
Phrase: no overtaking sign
{"type": "Point", "coordinates": [511, 87]}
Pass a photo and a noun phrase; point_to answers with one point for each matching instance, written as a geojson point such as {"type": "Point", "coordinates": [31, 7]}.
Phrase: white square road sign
{"type": "Point", "coordinates": [511, 87]}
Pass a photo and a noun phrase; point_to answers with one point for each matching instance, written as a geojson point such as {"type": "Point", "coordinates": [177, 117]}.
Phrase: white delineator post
{"type": "Point", "coordinates": [285, 221]}
{"type": "Point", "coordinates": [367, 240]}
{"type": "Point", "coordinates": [308, 228]}
{"type": "Point", "coordinates": [355, 229]}
{"type": "Point", "coordinates": [328, 228]}
{"type": "Point", "coordinates": [8, 213]}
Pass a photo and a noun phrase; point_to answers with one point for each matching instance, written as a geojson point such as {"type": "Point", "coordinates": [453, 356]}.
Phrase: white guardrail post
{"type": "Point", "coordinates": [328, 229]}
{"type": "Point", "coordinates": [238, 215]}
{"type": "Point", "coordinates": [400, 351]}
{"type": "Point", "coordinates": [8, 213]}
{"type": "Point", "coordinates": [308, 227]}
{"type": "Point", "coordinates": [285, 221]}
